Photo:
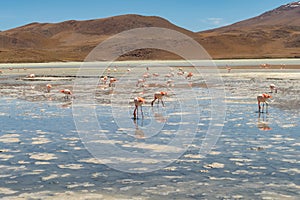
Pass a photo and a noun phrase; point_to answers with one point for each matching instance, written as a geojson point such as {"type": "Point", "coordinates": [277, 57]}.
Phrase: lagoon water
{"type": "Point", "coordinates": [49, 147]}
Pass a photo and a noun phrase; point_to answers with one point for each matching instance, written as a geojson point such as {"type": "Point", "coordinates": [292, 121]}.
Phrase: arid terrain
{"type": "Point", "coordinates": [274, 34]}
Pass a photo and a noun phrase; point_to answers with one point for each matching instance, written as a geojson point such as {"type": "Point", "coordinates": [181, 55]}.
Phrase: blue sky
{"type": "Point", "coordinates": [195, 15]}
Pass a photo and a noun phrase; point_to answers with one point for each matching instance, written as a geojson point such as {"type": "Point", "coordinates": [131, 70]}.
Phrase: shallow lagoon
{"type": "Point", "coordinates": [255, 157]}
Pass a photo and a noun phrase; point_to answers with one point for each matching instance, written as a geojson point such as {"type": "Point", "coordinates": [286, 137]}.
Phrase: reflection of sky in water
{"type": "Point", "coordinates": [41, 153]}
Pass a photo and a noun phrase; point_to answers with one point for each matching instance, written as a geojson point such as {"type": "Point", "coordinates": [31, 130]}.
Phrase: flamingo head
{"type": "Point", "coordinates": [163, 93]}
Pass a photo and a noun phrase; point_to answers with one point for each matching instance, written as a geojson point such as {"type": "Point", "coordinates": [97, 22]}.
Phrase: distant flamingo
{"type": "Point", "coordinates": [112, 82]}
{"type": "Point", "coordinates": [263, 98]}
{"type": "Point", "coordinates": [273, 88]}
{"type": "Point", "coordinates": [169, 82]}
{"type": "Point", "coordinates": [67, 93]}
{"type": "Point", "coordinates": [228, 69]}
{"type": "Point", "coordinates": [146, 75]}
{"type": "Point", "coordinates": [140, 82]}
{"type": "Point", "coordinates": [48, 87]}
{"type": "Point", "coordinates": [138, 102]}
{"type": "Point", "coordinates": [265, 66]}
{"type": "Point", "coordinates": [31, 76]}
{"type": "Point", "coordinates": [189, 76]}
{"type": "Point", "coordinates": [155, 74]}
{"type": "Point", "coordinates": [103, 80]}
{"type": "Point", "coordinates": [159, 96]}
{"type": "Point", "coordinates": [180, 73]}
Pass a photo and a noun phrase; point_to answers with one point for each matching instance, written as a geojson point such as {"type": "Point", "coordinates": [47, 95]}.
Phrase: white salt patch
{"type": "Point", "coordinates": [22, 162]}
{"type": "Point", "coordinates": [154, 147]}
{"type": "Point", "coordinates": [126, 188]}
{"type": "Point", "coordinates": [71, 166]}
{"type": "Point", "coordinates": [40, 141]}
{"type": "Point", "coordinates": [193, 156]}
{"type": "Point", "coordinates": [170, 168]}
{"type": "Point", "coordinates": [71, 138]}
{"type": "Point", "coordinates": [52, 176]}
{"type": "Point", "coordinates": [42, 163]}
{"type": "Point", "coordinates": [215, 153]}
{"type": "Point", "coordinates": [86, 184]}
{"type": "Point", "coordinates": [221, 178]}
{"type": "Point", "coordinates": [6, 191]}
{"type": "Point", "coordinates": [240, 159]}
{"type": "Point", "coordinates": [290, 171]}
{"type": "Point", "coordinates": [173, 177]}
{"type": "Point", "coordinates": [10, 138]}
{"type": "Point", "coordinates": [42, 156]}
{"type": "Point", "coordinates": [5, 157]}
{"type": "Point", "coordinates": [214, 165]}
{"type": "Point", "coordinates": [91, 160]}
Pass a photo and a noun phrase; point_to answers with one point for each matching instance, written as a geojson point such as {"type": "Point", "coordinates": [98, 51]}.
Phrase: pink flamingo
{"type": "Point", "coordinates": [273, 88]}
{"type": "Point", "coordinates": [189, 76]}
{"type": "Point", "coordinates": [103, 80]}
{"type": "Point", "coordinates": [138, 102]}
{"type": "Point", "coordinates": [112, 82]}
{"type": "Point", "coordinates": [263, 98]}
{"type": "Point", "coordinates": [159, 96]}
{"type": "Point", "coordinates": [48, 87]}
{"type": "Point", "coordinates": [140, 82]}
{"type": "Point", "coordinates": [228, 69]}
{"type": "Point", "coordinates": [67, 93]}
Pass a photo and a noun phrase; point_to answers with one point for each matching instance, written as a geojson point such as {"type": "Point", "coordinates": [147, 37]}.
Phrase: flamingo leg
{"type": "Point", "coordinates": [162, 103]}
{"type": "Point", "coordinates": [153, 101]}
{"type": "Point", "coordinates": [134, 112]}
{"type": "Point", "coordinates": [142, 111]}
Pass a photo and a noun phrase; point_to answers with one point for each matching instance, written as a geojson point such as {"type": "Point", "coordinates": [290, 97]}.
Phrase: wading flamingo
{"type": "Point", "coordinates": [228, 69]}
{"type": "Point", "coordinates": [103, 80]}
{"type": "Point", "coordinates": [138, 102]}
{"type": "Point", "coordinates": [48, 87]}
{"type": "Point", "coordinates": [140, 82]}
{"type": "Point", "coordinates": [159, 96]}
{"type": "Point", "coordinates": [112, 82]}
{"type": "Point", "coordinates": [31, 75]}
{"type": "Point", "coordinates": [273, 88]}
{"type": "Point", "coordinates": [263, 98]}
{"type": "Point", "coordinates": [67, 93]}
{"type": "Point", "coordinates": [189, 76]}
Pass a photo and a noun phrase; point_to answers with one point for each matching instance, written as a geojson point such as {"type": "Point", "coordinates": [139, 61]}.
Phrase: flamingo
{"type": "Point", "coordinates": [67, 93]}
{"type": "Point", "coordinates": [112, 82]}
{"type": "Point", "coordinates": [155, 74]}
{"type": "Point", "coordinates": [140, 82]}
{"type": "Point", "coordinates": [263, 98]}
{"type": "Point", "coordinates": [48, 87]}
{"type": "Point", "coordinates": [228, 69]}
{"type": "Point", "coordinates": [159, 96]}
{"type": "Point", "coordinates": [180, 73]}
{"type": "Point", "coordinates": [103, 80]}
{"type": "Point", "coordinates": [189, 76]}
{"type": "Point", "coordinates": [273, 88]}
{"type": "Point", "coordinates": [31, 76]}
{"type": "Point", "coordinates": [138, 102]}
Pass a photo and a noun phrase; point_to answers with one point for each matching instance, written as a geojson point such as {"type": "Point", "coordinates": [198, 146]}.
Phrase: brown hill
{"type": "Point", "coordinates": [73, 40]}
{"type": "Point", "coordinates": [273, 34]}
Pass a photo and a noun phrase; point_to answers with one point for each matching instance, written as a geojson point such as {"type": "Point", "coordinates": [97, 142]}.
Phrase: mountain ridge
{"type": "Point", "coordinates": [273, 34]}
